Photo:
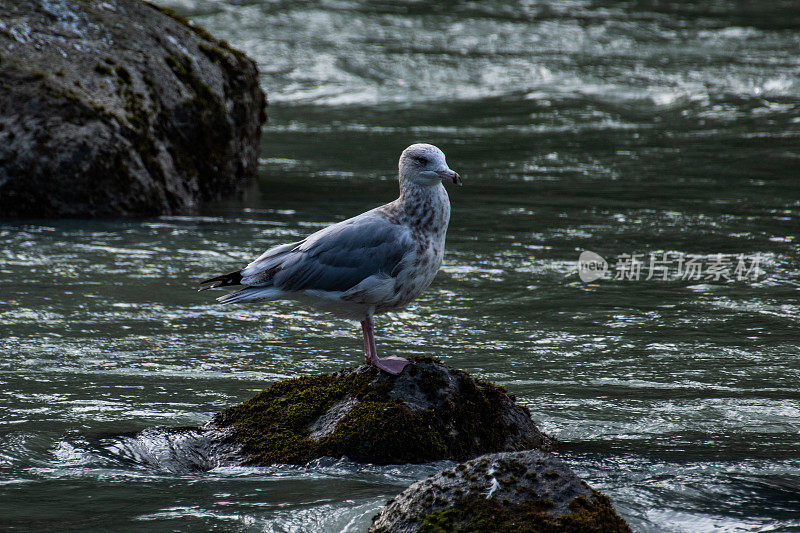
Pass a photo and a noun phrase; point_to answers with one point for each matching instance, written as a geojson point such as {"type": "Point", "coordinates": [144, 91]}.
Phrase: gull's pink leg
{"type": "Point", "coordinates": [392, 364]}
{"type": "Point", "coordinates": [369, 340]}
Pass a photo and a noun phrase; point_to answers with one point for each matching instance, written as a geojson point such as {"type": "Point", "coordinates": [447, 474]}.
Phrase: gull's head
{"type": "Point", "coordinates": [424, 164]}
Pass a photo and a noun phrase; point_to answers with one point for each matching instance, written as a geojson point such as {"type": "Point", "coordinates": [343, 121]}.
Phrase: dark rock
{"type": "Point", "coordinates": [429, 412]}
{"type": "Point", "coordinates": [120, 108]}
{"type": "Point", "coordinates": [514, 492]}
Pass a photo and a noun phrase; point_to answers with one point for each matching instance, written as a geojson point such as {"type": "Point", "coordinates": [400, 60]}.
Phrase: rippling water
{"type": "Point", "coordinates": [616, 127]}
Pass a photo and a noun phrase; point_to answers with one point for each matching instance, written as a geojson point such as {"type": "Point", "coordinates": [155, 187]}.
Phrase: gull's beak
{"type": "Point", "coordinates": [449, 175]}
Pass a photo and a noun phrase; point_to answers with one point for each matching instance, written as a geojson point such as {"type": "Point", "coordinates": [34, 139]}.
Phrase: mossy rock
{"type": "Point", "coordinates": [147, 114]}
{"type": "Point", "coordinates": [429, 412]}
{"type": "Point", "coordinates": [522, 492]}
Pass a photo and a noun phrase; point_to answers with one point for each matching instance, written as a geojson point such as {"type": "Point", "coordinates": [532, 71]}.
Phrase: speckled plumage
{"type": "Point", "coordinates": [372, 263]}
{"type": "Point", "coordinates": [426, 215]}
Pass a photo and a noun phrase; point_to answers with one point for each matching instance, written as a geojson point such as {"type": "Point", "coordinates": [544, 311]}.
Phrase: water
{"type": "Point", "coordinates": [616, 127]}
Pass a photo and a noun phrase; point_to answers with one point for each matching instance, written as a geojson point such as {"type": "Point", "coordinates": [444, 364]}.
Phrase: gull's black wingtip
{"type": "Point", "coordinates": [234, 278]}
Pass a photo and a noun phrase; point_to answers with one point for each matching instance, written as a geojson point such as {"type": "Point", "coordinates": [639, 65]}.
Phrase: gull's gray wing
{"type": "Point", "coordinates": [341, 256]}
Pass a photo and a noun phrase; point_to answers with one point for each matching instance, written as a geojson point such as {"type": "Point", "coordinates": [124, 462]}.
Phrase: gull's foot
{"type": "Point", "coordinates": [392, 364]}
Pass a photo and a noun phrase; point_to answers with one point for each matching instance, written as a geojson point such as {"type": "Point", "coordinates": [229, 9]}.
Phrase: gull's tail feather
{"type": "Point", "coordinates": [251, 294]}
{"type": "Point", "coordinates": [234, 278]}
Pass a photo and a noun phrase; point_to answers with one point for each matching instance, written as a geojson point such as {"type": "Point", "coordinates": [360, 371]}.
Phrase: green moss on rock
{"type": "Point", "coordinates": [273, 425]}
{"type": "Point", "coordinates": [370, 416]}
{"type": "Point", "coordinates": [204, 96]}
{"type": "Point", "coordinates": [501, 492]}
{"type": "Point", "coordinates": [487, 515]}
{"type": "Point", "coordinates": [198, 30]}
{"type": "Point", "coordinates": [193, 149]}
{"type": "Point", "coordinates": [214, 53]}
{"type": "Point", "coordinates": [126, 133]}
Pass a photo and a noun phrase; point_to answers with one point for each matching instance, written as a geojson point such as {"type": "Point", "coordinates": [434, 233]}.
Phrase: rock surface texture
{"type": "Point", "coordinates": [514, 492]}
{"type": "Point", "coordinates": [120, 108]}
{"type": "Point", "coordinates": [429, 412]}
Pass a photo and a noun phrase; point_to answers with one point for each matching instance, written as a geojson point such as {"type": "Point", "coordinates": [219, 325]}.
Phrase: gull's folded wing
{"type": "Point", "coordinates": [341, 256]}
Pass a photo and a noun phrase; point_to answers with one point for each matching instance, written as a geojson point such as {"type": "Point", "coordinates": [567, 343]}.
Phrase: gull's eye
{"type": "Point", "coordinates": [421, 159]}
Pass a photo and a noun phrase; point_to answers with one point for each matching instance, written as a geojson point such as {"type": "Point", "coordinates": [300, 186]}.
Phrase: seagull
{"type": "Point", "coordinates": [372, 263]}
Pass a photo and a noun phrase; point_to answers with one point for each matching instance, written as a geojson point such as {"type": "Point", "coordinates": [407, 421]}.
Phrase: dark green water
{"type": "Point", "coordinates": [615, 127]}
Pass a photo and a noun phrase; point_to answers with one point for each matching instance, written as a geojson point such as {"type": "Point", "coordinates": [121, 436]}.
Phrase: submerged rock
{"type": "Point", "coordinates": [521, 492]}
{"type": "Point", "coordinates": [429, 412]}
{"type": "Point", "coordinates": [120, 108]}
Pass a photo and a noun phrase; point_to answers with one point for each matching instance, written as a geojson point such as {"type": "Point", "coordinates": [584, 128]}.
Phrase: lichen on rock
{"type": "Point", "coordinates": [120, 108]}
{"type": "Point", "coordinates": [429, 412]}
{"type": "Point", "coordinates": [518, 492]}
